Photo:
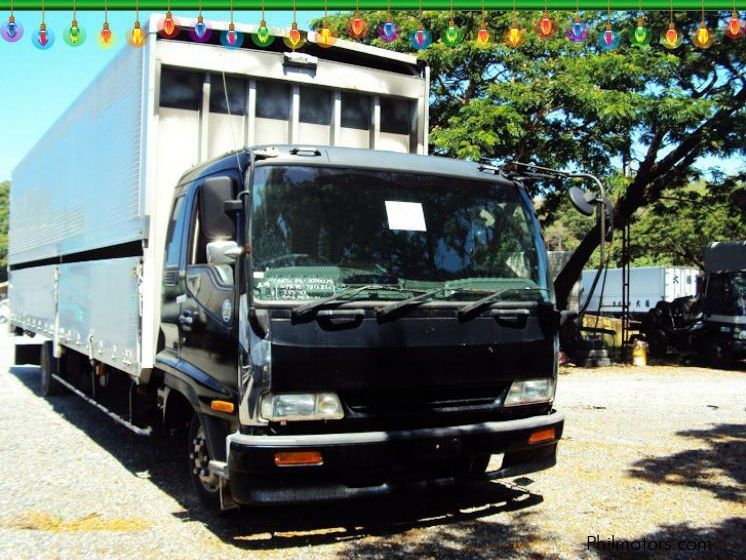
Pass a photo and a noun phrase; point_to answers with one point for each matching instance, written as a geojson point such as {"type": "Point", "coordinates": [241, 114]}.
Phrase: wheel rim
{"type": "Point", "coordinates": [200, 459]}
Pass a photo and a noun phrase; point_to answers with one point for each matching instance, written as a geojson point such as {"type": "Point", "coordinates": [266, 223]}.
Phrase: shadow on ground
{"type": "Point", "coordinates": [455, 514]}
{"type": "Point", "coordinates": [720, 467]}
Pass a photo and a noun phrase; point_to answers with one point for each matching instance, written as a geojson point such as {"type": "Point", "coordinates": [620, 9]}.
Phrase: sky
{"type": "Point", "coordinates": [37, 86]}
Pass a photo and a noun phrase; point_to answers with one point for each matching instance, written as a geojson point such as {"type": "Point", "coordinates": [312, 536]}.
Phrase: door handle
{"type": "Point", "coordinates": [186, 319]}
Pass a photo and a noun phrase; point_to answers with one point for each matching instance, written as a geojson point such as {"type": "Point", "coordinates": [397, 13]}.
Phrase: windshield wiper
{"type": "Point", "coordinates": [470, 308]}
{"type": "Point", "coordinates": [317, 304]}
{"type": "Point", "coordinates": [414, 300]}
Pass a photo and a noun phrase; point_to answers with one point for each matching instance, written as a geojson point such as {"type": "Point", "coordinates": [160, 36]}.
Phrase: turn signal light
{"type": "Point", "coordinates": [547, 434]}
{"type": "Point", "coordinates": [298, 458]}
{"type": "Point", "coordinates": [222, 406]}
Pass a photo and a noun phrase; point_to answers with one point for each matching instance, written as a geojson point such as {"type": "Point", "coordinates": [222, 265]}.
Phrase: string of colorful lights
{"type": "Point", "coordinates": [579, 31]}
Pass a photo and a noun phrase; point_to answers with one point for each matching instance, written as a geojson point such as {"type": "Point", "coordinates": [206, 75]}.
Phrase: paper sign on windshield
{"type": "Point", "coordinates": [407, 216]}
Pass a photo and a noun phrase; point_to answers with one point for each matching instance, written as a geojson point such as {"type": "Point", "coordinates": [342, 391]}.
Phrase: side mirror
{"type": "Point", "coordinates": [582, 201]}
{"type": "Point", "coordinates": [216, 223]}
{"type": "Point", "coordinates": [223, 252]}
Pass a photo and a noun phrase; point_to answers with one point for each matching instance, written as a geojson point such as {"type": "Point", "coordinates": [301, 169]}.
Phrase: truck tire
{"type": "Point", "coordinates": [717, 356]}
{"type": "Point", "coordinates": [49, 365]}
{"type": "Point", "coordinates": [205, 484]}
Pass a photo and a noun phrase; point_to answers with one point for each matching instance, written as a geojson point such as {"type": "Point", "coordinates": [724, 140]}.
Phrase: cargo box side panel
{"type": "Point", "coordinates": [32, 299]}
{"type": "Point", "coordinates": [79, 188]}
{"type": "Point", "coordinates": [99, 307]}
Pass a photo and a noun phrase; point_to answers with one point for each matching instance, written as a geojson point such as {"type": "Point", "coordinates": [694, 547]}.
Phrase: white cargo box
{"type": "Point", "coordinates": [648, 285]}
{"type": "Point", "coordinates": [90, 202]}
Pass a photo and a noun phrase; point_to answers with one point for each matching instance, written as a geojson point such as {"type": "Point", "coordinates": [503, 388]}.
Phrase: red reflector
{"type": "Point", "coordinates": [298, 458]}
{"type": "Point", "coordinates": [546, 434]}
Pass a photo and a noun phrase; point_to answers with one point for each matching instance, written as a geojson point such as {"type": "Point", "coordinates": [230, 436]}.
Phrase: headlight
{"type": "Point", "coordinates": [302, 406]}
{"type": "Point", "coordinates": [530, 392]}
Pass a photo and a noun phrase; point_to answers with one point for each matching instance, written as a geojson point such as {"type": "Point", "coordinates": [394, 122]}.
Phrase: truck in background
{"type": "Point", "coordinates": [319, 321]}
{"type": "Point", "coordinates": [723, 303]}
{"type": "Point", "coordinates": [648, 286]}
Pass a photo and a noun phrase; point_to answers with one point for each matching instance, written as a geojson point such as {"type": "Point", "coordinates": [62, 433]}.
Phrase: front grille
{"type": "Point", "coordinates": [398, 401]}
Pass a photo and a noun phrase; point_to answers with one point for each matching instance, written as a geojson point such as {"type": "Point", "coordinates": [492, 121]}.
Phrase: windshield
{"type": "Point", "coordinates": [317, 231]}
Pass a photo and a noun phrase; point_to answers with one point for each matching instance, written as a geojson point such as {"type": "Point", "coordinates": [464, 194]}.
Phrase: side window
{"type": "Point", "coordinates": [174, 234]}
{"type": "Point", "coordinates": [197, 241]}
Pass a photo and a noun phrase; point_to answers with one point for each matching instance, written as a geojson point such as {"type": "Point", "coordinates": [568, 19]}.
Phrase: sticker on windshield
{"type": "Point", "coordinates": [407, 216]}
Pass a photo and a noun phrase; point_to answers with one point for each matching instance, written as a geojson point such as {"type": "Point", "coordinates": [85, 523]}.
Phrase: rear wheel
{"type": "Point", "coordinates": [205, 484]}
{"type": "Point", "coordinates": [717, 356]}
{"type": "Point", "coordinates": [49, 365]}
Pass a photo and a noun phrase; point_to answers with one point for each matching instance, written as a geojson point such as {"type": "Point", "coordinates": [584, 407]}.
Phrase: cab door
{"type": "Point", "coordinates": [207, 319]}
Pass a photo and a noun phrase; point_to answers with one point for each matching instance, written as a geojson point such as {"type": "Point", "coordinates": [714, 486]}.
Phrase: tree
{"type": "Point", "coordinates": [639, 117]}
{"type": "Point", "coordinates": [4, 220]}
{"type": "Point", "coordinates": [671, 231]}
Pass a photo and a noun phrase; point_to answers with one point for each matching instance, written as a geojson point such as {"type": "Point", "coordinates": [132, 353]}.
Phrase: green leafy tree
{"type": "Point", "coordinates": [671, 231]}
{"type": "Point", "coordinates": [641, 118]}
{"type": "Point", "coordinates": [4, 220]}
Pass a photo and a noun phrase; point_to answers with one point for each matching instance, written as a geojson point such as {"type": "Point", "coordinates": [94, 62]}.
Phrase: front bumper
{"type": "Point", "coordinates": [372, 463]}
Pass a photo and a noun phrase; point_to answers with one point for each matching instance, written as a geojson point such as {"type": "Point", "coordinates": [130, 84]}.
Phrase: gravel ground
{"type": "Point", "coordinates": [652, 456]}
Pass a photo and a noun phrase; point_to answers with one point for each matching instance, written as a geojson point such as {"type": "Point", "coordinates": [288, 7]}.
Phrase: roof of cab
{"type": "Point", "coordinates": [349, 157]}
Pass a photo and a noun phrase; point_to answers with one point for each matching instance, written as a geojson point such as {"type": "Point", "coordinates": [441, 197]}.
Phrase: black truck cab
{"type": "Point", "coordinates": [347, 321]}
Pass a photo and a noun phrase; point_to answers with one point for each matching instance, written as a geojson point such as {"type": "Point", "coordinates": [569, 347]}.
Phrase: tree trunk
{"type": "Point", "coordinates": [571, 272]}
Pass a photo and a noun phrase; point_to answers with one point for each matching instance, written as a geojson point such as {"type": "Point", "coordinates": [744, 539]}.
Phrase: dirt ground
{"type": "Point", "coordinates": [653, 458]}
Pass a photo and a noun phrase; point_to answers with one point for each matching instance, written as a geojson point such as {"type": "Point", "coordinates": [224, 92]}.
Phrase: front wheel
{"type": "Point", "coordinates": [205, 483]}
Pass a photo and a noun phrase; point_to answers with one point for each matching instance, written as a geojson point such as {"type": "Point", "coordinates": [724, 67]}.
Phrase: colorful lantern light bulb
{"type": "Point", "coordinates": [74, 35]}
{"type": "Point", "coordinates": [135, 36]}
{"type": "Point", "coordinates": [702, 37]}
{"type": "Point", "coordinates": [295, 38]}
{"type": "Point", "coordinates": [11, 30]}
{"type": "Point", "coordinates": [324, 36]}
{"type": "Point", "coordinates": [452, 35]}
{"type": "Point", "coordinates": [262, 37]}
{"type": "Point", "coordinates": [388, 31]}
{"type": "Point", "coordinates": [168, 27]}
{"type": "Point", "coordinates": [43, 38]}
{"type": "Point", "coordinates": [514, 36]}
{"type": "Point", "coordinates": [201, 32]}
{"type": "Point", "coordinates": [735, 28]}
{"type": "Point", "coordinates": [609, 40]}
{"type": "Point", "coordinates": [230, 38]}
{"type": "Point", "coordinates": [357, 27]}
{"type": "Point", "coordinates": [421, 38]}
{"type": "Point", "coordinates": [640, 36]}
{"type": "Point", "coordinates": [106, 38]}
{"type": "Point", "coordinates": [545, 28]}
{"type": "Point", "coordinates": [483, 37]}
{"type": "Point", "coordinates": [578, 32]}
{"type": "Point", "coordinates": [671, 38]}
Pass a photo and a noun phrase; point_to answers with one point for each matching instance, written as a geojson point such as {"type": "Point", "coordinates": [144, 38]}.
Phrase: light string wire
{"type": "Point", "coordinates": [483, 13]}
